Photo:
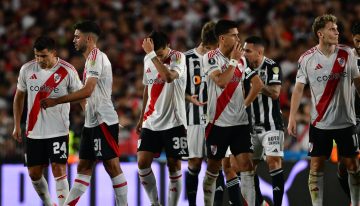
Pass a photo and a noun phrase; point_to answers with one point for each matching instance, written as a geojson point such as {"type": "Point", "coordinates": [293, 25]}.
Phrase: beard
{"type": "Point", "coordinates": [81, 48]}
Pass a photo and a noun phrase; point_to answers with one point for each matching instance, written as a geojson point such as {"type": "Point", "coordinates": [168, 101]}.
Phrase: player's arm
{"type": "Point", "coordinates": [294, 106]}
{"type": "Point", "coordinates": [83, 93]}
{"type": "Point", "coordinates": [166, 74]}
{"type": "Point", "coordinates": [145, 99]}
{"type": "Point", "coordinates": [18, 106]}
{"type": "Point", "coordinates": [357, 84]}
{"type": "Point", "coordinates": [194, 99]}
{"type": "Point", "coordinates": [256, 87]}
{"type": "Point", "coordinates": [272, 91]}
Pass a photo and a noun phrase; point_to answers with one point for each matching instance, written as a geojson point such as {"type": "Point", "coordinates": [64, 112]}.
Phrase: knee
{"type": "Point", "coordinates": [112, 168]}
{"type": "Point", "coordinates": [35, 174]}
{"type": "Point", "coordinates": [58, 169]}
{"type": "Point", "coordinates": [274, 163]}
{"type": "Point", "coordinates": [173, 165]}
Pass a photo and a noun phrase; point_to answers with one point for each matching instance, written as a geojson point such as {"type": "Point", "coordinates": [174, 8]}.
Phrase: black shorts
{"type": "Point", "coordinates": [100, 142]}
{"type": "Point", "coordinates": [321, 142]}
{"type": "Point", "coordinates": [220, 138]}
{"type": "Point", "coordinates": [173, 140]}
{"type": "Point", "coordinates": [39, 151]}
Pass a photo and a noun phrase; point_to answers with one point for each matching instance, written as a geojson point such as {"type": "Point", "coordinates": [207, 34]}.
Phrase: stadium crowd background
{"type": "Point", "coordinates": [286, 26]}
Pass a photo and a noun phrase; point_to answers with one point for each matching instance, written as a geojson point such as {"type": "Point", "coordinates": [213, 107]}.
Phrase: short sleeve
{"type": "Point", "coordinates": [21, 85]}
{"type": "Point", "coordinates": [274, 75]}
{"type": "Point", "coordinates": [301, 73]}
{"type": "Point", "coordinates": [75, 82]}
{"type": "Point", "coordinates": [211, 64]}
{"type": "Point", "coordinates": [94, 64]}
{"type": "Point", "coordinates": [177, 63]}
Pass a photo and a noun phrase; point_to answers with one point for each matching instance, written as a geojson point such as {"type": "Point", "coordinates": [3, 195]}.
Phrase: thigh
{"type": "Point", "coordinates": [240, 140]}
{"type": "Point", "coordinates": [58, 149]}
{"type": "Point", "coordinates": [150, 141]}
{"type": "Point", "coordinates": [320, 142]}
{"type": "Point", "coordinates": [256, 140]}
{"type": "Point", "coordinates": [36, 152]}
{"type": "Point", "coordinates": [175, 142]}
{"type": "Point", "coordinates": [196, 141]}
{"type": "Point", "coordinates": [106, 138]}
{"type": "Point", "coordinates": [86, 151]}
{"type": "Point", "coordinates": [347, 142]}
{"type": "Point", "coordinates": [273, 143]}
{"type": "Point", "coordinates": [217, 142]}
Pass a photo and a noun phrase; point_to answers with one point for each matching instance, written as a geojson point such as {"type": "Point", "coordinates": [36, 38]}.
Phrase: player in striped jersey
{"type": "Point", "coordinates": [228, 126]}
{"type": "Point", "coordinates": [99, 139]}
{"type": "Point", "coordinates": [265, 117]}
{"type": "Point", "coordinates": [196, 96]}
{"type": "Point", "coordinates": [47, 131]}
{"type": "Point", "coordinates": [162, 124]}
{"type": "Point", "coordinates": [342, 173]}
{"type": "Point", "coordinates": [330, 70]}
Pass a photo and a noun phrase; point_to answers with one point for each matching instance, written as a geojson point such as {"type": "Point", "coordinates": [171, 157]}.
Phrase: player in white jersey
{"type": "Point", "coordinates": [162, 123]}
{"type": "Point", "coordinates": [228, 124]}
{"type": "Point", "coordinates": [47, 131]}
{"type": "Point", "coordinates": [266, 118]}
{"type": "Point", "coordinates": [329, 69]}
{"type": "Point", "coordinates": [196, 106]}
{"type": "Point", "coordinates": [99, 138]}
{"type": "Point", "coordinates": [342, 172]}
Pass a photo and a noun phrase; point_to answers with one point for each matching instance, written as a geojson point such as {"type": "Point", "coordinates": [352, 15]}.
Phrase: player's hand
{"type": "Point", "coordinates": [292, 127]}
{"type": "Point", "coordinates": [17, 134]}
{"type": "Point", "coordinates": [194, 100]}
{"type": "Point", "coordinates": [138, 127]}
{"type": "Point", "coordinates": [237, 51]}
{"type": "Point", "coordinates": [48, 102]}
{"type": "Point", "coordinates": [148, 45]}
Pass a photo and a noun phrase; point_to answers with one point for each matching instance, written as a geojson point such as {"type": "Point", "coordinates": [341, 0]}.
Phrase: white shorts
{"type": "Point", "coordinates": [269, 143]}
{"type": "Point", "coordinates": [196, 141]}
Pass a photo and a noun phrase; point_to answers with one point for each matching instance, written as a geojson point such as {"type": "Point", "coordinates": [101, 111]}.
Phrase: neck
{"type": "Point", "coordinates": [201, 49]}
{"type": "Point", "coordinates": [88, 50]}
{"type": "Point", "coordinates": [258, 62]}
{"type": "Point", "coordinates": [327, 49]}
{"type": "Point", "coordinates": [225, 51]}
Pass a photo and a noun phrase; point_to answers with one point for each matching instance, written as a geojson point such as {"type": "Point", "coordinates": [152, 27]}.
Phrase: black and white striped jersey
{"type": "Point", "coordinates": [264, 110]}
{"type": "Point", "coordinates": [195, 85]}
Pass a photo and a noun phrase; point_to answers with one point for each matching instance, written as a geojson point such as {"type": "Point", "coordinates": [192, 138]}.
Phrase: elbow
{"type": "Point", "coordinates": [87, 93]}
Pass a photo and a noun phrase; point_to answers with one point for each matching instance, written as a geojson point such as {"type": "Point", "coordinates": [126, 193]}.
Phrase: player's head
{"type": "Point", "coordinates": [325, 29]}
{"type": "Point", "coordinates": [254, 50]}
{"type": "Point", "coordinates": [355, 30]}
{"type": "Point", "coordinates": [161, 43]}
{"type": "Point", "coordinates": [45, 51]}
{"type": "Point", "coordinates": [227, 34]}
{"type": "Point", "coordinates": [86, 33]}
{"type": "Point", "coordinates": [208, 37]}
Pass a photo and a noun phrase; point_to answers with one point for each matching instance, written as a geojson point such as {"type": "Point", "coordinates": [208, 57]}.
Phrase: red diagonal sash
{"type": "Point", "coordinates": [331, 85]}
{"type": "Point", "coordinates": [224, 99]}
{"type": "Point", "coordinates": [154, 95]}
{"type": "Point", "coordinates": [44, 92]}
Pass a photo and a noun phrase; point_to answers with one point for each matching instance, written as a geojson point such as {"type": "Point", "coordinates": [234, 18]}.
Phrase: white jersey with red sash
{"type": "Point", "coordinates": [40, 83]}
{"type": "Point", "coordinates": [330, 80]}
{"type": "Point", "coordinates": [99, 107]}
{"type": "Point", "coordinates": [165, 107]}
{"type": "Point", "coordinates": [226, 106]}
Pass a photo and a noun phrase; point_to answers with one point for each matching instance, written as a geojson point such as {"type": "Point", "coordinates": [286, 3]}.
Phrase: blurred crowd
{"type": "Point", "coordinates": [285, 25]}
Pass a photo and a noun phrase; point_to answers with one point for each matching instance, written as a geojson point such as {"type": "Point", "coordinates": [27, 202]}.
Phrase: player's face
{"type": "Point", "coordinates": [329, 34]}
{"type": "Point", "coordinates": [80, 40]}
{"type": "Point", "coordinates": [356, 40]}
{"type": "Point", "coordinates": [210, 47]}
{"type": "Point", "coordinates": [230, 38]}
{"type": "Point", "coordinates": [162, 53]}
{"type": "Point", "coordinates": [45, 58]}
{"type": "Point", "coordinates": [252, 54]}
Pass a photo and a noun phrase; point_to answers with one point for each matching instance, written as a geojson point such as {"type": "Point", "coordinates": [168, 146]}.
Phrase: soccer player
{"type": "Point", "coordinates": [47, 131]}
{"type": "Point", "coordinates": [100, 133]}
{"type": "Point", "coordinates": [162, 123]}
{"type": "Point", "coordinates": [342, 173]}
{"type": "Point", "coordinates": [265, 116]}
{"type": "Point", "coordinates": [228, 121]}
{"type": "Point", "coordinates": [329, 69]}
{"type": "Point", "coordinates": [196, 96]}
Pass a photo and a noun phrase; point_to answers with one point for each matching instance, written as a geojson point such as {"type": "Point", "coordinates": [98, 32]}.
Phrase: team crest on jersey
{"type": "Point", "coordinates": [276, 70]}
{"type": "Point", "coordinates": [57, 77]}
{"type": "Point", "coordinates": [341, 61]}
{"type": "Point", "coordinates": [212, 61]}
{"type": "Point", "coordinates": [213, 149]}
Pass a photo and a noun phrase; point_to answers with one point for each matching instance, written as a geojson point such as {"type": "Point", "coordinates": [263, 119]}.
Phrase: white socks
{"type": "Point", "coordinates": [316, 187]}
{"type": "Point", "coordinates": [209, 185]}
{"type": "Point", "coordinates": [41, 187]}
{"type": "Point", "coordinates": [175, 186]}
{"type": "Point", "coordinates": [81, 183]}
{"type": "Point", "coordinates": [147, 179]}
{"type": "Point", "coordinates": [354, 186]}
{"type": "Point", "coordinates": [120, 187]}
{"type": "Point", "coordinates": [248, 187]}
{"type": "Point", "coordinates": [62, 189]}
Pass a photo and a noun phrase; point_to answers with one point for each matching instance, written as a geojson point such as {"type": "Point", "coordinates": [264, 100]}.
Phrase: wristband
{"type": "Point", "coordinates": [150, 55]}
{"type": "Point", "coordinates": [233, 63]}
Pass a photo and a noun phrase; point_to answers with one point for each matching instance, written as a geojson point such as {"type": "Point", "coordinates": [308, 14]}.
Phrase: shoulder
{"type": "Point", "coordinates": [189, 52]}
{"type": "Point", "coordinates": [345, 48]}
{"type": "Point", "coordinates": [28, 65]}
{"type": "Point", "coordinates": [269, 62]}
{"type": "Point", "coordinates": [308, 54]}
{"type": "Point", "coordinates": [67, 65]}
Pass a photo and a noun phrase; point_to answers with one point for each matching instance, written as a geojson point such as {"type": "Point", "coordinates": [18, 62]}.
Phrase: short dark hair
{"type": "Point", "coordinates": [355, 29]}
{"type": "Point", "coordinates": [321, 21]}
{"type": "Point", "coordinates": [44, 42]}
{"type": "Point", "coordinates": [208, 34]}
{"type": "Point", "coordinates": [88, 26]}
{"type": "Point", "coordinates": [255, 40]}
{"type": "Point", "coordinates": [223, 26]}
{"type": "Point", "coordinates": [160, 40]}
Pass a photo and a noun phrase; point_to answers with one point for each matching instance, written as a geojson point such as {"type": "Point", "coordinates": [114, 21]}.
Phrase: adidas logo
{"type": "Point", "coordinates": [207, 191]}
{"type": "Point", "coordinates": [318, 66]}
{"type": "Point", "coordinates": [219, 189]}
{"type": "Point", "coordinates": [182, 152]}
{"type": "Point", "coordinates": [61, 196]}
{"type": "Point", "coordinates": [33, 76]}
{"type": "Point", "coordinates": [276, 189]}
{"type": "Point", "coordinates": [148, 70]}
{"type": "Point", "coordinates": [98, 154]}
{"type": "Point", "coordinates": [144, 183]}
{"type": "Point", "coordinates": [275, 150]}
{"type": "Point", "coordinates": [63, 156]}
{"type": "Point", "coordinates": [173, 189]}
